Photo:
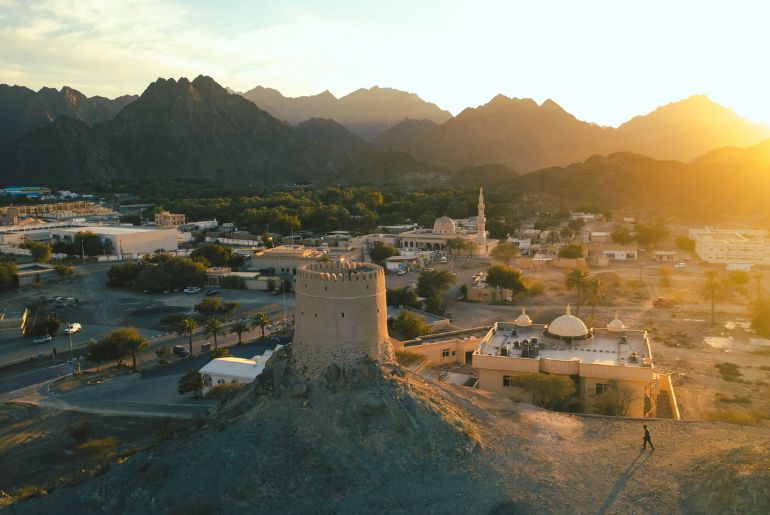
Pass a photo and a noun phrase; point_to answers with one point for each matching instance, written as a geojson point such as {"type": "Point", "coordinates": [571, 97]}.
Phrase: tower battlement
{"type": "Point", "coordinates": [340, 316]}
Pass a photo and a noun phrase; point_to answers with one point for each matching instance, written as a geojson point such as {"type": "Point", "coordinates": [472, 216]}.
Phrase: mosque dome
{"type": "Point", "coordinates": [568, 326]}
{"type": "Point", "coordinates": [616, 325]}
{"type": "Point", "coordinates": [444, 225]}
{"type": "Point", "coordinates": [523, 320]}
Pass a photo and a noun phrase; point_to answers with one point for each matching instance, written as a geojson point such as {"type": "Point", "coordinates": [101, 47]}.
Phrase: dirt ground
{"type": "Point", "coordinates": [376, 441]}
{"type": "Point", "coordinates": [678, 335]}
{"type": "Point", "coordinates": [37, 452]}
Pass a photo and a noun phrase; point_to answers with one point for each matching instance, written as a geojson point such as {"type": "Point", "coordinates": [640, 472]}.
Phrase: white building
{"type": "Point", "coordinates": [732, 246]}
{"type": "Point", "coordinates": [122, 240]}
{"type": "Point", "coordinates": [221, 371]}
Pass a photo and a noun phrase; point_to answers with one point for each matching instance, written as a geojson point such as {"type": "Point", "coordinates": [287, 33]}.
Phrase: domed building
{"type": "Point", "coordinates": [568, 327]}
{"type": "Point", "coordinates": [445, 229]}
{"type": "Point", "coordinates": [444, 225]}
{"type": "Point", "coordinates": [597, 359]}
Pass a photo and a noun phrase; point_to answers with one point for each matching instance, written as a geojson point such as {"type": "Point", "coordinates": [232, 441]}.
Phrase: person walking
{"type": "Point", "coordinates": [647, 439]}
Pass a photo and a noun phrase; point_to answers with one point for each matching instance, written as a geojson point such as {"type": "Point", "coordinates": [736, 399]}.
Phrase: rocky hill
{"type": "Point", "coordinates": [687, 129]}
{"type": "Point", "coordinates": [526, 136]}
{"type": "Point", "coordinates": [404, 132]}
{"type": "Point", "coordinates": [175, 129]}
{"type": "Point", "coordinates": [366, 112]}
{"type": "Point", "coordinates": [23, 110]}
{"type": "Point", "coordinates": [378, 440]}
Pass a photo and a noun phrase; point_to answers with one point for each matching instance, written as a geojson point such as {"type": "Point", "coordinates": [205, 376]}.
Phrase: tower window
{"type": "Point", "coordinates": [343, 315]}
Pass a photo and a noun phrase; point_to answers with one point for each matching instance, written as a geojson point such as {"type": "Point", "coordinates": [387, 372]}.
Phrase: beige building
{"type": "Point", "coordinates": [485, 293]}
{"type": "Point", "coordinates": [732, 246]}
{"type": "Point", "coordinates": [444, 230]}
{"type": "Point", "coordinates": [596, 358]}
{"type": "Point", "coordinates": [340, 317]}
{"type": "Point", "coordinates": [286, 259]}
{"type": "Point", "coordinates": [449, 347]}
{"type": "Point", "coordinates": [58, 210]}
{"type": "Point", "coordinates": [166, 219]}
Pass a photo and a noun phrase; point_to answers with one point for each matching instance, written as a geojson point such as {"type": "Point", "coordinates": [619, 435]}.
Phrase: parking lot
{"type": "Point", "coordinates": [99, 309]}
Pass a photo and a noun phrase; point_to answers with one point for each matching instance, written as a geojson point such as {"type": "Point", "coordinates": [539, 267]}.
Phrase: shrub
{"type": "Point", "coordinates": [547, 391]}
{"type": "Point", "coordinates": [406, 358]}
{"type": "Point", "coordinates": [64, 270]}
{"type": "Point", "coordinates": [221, 391]}
{"type": "Point", "coordinates": [729, 371]}
{"type": "Point", "coordinates": [615, 401]}
{"type": "Point", "coordinates": [232, 282]}
{"type": "Point", "coordinates": [79, 431]}
{"type": "Point", "coordinates": [99, 445]}
{"type": "Point", "coordinates": [741, 418]}
{"type": "Point", "coordinates": [222, 352]}
{"type": "Point", "coordinates": [572, 251]}
{"type": "Point", "coordinates": [408, 325]}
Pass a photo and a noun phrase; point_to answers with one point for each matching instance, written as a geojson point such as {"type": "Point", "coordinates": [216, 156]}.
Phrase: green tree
{"type": "Point", "coordinates": [88, 243]}
{"type": "Point", "coordinates": [685, 243]}
{"type": "Point", "coordinates": [192, 381]}
{"type": "Point", "coordinates": [435, 281]}
{"type": "Point", "coordinates": [209, 307]}
{"type": "Point", "coordinates": [224, 352]}
{"type": "Point", "coordinates": [714, 289]}
{"type": "Point", "coordinates": [409, 325]}
{"type": "Point", "coordinates": [460, 244]}
{"type": "Point", "coordinates": [41, 252]}
{"type": "Point", "coordinates": [621, 235]}
{"type": "Point", "coordinates": [651, 234]}
{"type": "Point", "coordinates": [8, 277]}
{"type": "Point", "coordinates": [615, 401]}
{"type": "Point", "coordinates": [112, 347]}
{"type": "Point", "coordinates": [760, 316]}
{"type": "Point", "coordinates": [547, 391]}
{"type": "Point", "coordinates": [595, 292]}
{"type": "Point", "coordinates": [163, 353]}
{"type": "Point", "coordinates": [239, 327]}
{"type": "Point", "coordinates": [128, 340]}
{"type": "Point", "coordinates": [737, 281]}
{"type": "Point", "coordinates": [213, 254]}
{"type": "Point", "coordinates": [380, 251]}
{"type": "Point", "coordinates": [503, 276]}
{"type": "Point", "coordinates": [504, 252]}
{"type": "Point", "coordinates": [261, 320]}
{"type": "Point", "coordinates": [665, 272]}
{"type": "Point", "coordinates": [213, 327]}
{"type": "Point", "coordinates": [186, 328]}
{"type": "Point", "coordinates": [405, 296]}
{"type": "Point", "coordinates": [576, 279]}
{"type": "Point", "coordinates": [572, 251]}
{"type": "Point", "coordinates": [98, 351]}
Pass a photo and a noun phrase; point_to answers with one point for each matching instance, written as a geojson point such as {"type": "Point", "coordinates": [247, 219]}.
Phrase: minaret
{"type": "Point", "coordinates": [481, 223]}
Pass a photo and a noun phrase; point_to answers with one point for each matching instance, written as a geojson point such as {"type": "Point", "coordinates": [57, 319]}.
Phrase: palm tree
{"type": "Point", "coordinates": [213, 327]}
{"type": "Point", "coordinates": [576, 279]}
{"type": "Point", "coordinates": [187, 328]}
{"type": "Point", "coordinates": [261, 320]}
{"type": "Point", "coordinates": [239, 327]}
{"type": "Point", "coordinates": [714, 289]}
{"type": "Point", "coordinates": [596, 292]}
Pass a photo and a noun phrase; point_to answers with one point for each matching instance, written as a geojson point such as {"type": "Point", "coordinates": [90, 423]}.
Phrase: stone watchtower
{"type": "Point", "coordinates": [340, 317]}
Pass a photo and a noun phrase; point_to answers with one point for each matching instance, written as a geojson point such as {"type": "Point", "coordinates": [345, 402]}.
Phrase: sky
{"type": "Point", "coordinates": [603, 61]}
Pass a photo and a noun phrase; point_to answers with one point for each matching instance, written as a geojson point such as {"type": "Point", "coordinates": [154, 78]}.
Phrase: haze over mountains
{"type": "Point", "coordinates": [365, 112]}
{"type": "Point", "coordinates": [198, 129]}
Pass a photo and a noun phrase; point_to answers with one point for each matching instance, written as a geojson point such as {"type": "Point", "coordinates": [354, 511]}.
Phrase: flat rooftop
{"type": "Point", "coordinates": [603, 348]}
{"type": "Point", "coordinates": [111, 229]}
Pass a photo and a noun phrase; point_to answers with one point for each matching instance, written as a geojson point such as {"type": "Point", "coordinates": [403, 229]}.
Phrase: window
{"type": "Point", "coordinates": [445, 353]}
{"type": "Point", "coordinates": [454, 353]}
{"type": "Point", "coordinates": [343, 315]}
{"type": "Point", "coordinates": [508, 381]}
{"type": "Point", "coordinates": [601, 388]}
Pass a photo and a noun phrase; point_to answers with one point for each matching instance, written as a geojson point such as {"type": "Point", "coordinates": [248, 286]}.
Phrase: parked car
{"type": "Point", "coordinates": [663, 302]}
{"type": "Point", "coordinates": [443, 260]}
{"type": "Point", "coordinates": [42, 339]}
{"type": "Point", "coordinates": [401, 272]}
{"type": "Point", "coordinates": [680, 266]}
{"type": "Point", "coordinates": [212, 291]}
{"type": "Point", "coordinates": [180, 351]}
{"type": "Point", "coordinates": [72, 328]}
{"type": "Point", "coordinates": [192, 289]}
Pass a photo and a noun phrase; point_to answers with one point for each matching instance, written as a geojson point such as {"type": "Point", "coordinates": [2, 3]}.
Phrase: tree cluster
{"type": "Point", "coordinates": [212, 306]}
{"type": "Point", "coordinates": [408, 325]}
{"type": "Point", "coordinates": [217, 255]}
{"type": "Point", "coordinates": [431, 285]}
{"type": "Point", "coordinates": [503, 276]}
{"type": "Point", "coordinates": [157, 273]}
{"type": "Point", "coordinates": [8, 278]}
{"type": "Point", "coordinates": [117, 345]}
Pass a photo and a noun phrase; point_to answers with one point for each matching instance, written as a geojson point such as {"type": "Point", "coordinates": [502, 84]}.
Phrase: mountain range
{"type": "Point", "coordinates": [198, 129]}
{"type": "Point", "coordinates": [365, 112]}
{"type": "Point", "coordinates": [22, 110]}
{"type": "Point", "coordinates": [526, 136]}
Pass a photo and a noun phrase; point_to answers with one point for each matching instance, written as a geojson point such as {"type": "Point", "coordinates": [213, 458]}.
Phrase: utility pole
{"type": "Point", "coordinates": [71, 353]}
{"type": "Point", "coordinates": [82, 252]}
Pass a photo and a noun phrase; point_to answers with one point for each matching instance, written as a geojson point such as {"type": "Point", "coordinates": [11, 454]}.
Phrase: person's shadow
{"type": "Point", "coordinates": [620, 484]}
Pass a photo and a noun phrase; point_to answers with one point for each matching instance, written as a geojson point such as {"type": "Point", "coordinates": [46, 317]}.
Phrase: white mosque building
{"type": "Point", "coordinates": [445, 229]}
